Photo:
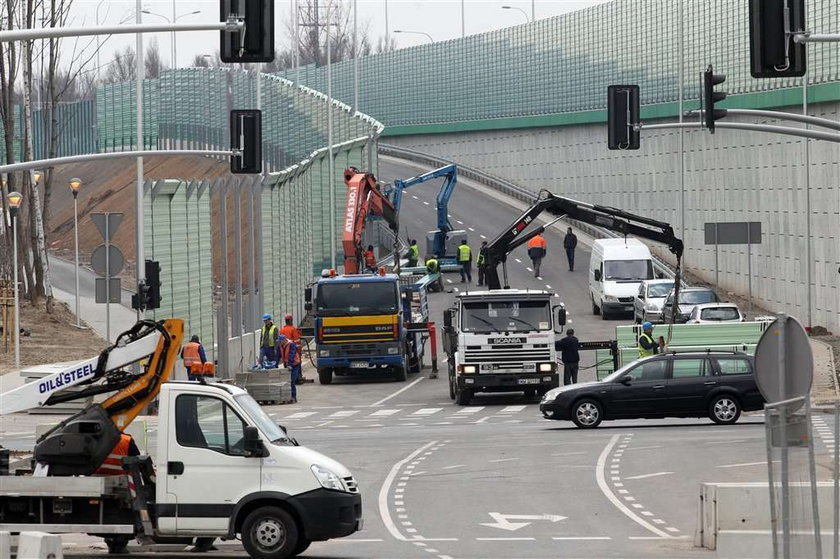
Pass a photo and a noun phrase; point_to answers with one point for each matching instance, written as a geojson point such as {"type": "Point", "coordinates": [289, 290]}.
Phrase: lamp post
{"type": "Point", "coordinates": [527, 19]}
{"type": "Point", "coordinates": [173, 20]}
{"type": "Point", "coordinates": [75, 186]}
{"type": "Point", "coordinates": [415, 33]}
{"type": "Point", "coordinates": [15, 199]}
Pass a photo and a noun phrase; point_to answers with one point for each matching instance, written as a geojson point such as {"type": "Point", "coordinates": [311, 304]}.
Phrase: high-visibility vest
{"type": "Point", "coordinates": [537, 242]}
{"type": "Point", "coordinates": [432, 265]}
{"type": "Point", "coordinates": [464, 253]}
{"type": "Point", "coordinates": [482, 257]}
{"type": "Point", "coordinates": [191, 354]}
{"type": "Point", "coordinates": [370, 259]}
{"type": "Point", "coordinates": [642, 351]}
{"type": "Point", "coordinates": [112, 465]}
{"type": "Point", "coordinates": [268, 341]}
{"type": "Point", "coordinates": [413, 252]}
{"type": "Point", "coordinates": [285, 349]}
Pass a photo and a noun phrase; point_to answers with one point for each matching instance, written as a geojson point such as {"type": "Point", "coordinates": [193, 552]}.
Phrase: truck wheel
{"type": "Point", "coordinates": [451, 389]}
{"type": "Point", "coordinates": [325, 376]}
{"type": "Point", "coordinates": [117, 544]}
{"type": "Point", "coordinates": [270, 533]}
{"type": "Point", "coordinates": [400, 373]}
{"type": "Point", "coordinates": [303, 545]}
{"type": "Point", "coordinates": [463, 397]}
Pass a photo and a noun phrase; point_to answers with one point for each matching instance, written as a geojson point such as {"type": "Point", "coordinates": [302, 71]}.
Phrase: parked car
{"type": "Point", "coordinates": [647, 306]}
{"type": "Point", "coordinates": [713, 313]}
{"type": "Point", "coordinates": [689, 297]}
{"type": "Point", "coordinates": [718, 385]}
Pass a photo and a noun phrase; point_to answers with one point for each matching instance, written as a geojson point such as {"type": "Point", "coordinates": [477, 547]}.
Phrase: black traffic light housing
{"type": "Point", "coordinates": [152, 284]}
{"type": "Point", "coordinates": [773, 52]}
{"type": "Point", "coordinates": [255, 43]}
{"type": "Point", "coordinates": [710, 97]}
{"type": "Point", "coordinates": [246, 141]}
{"type": "Point", "coordinates": [623, 108]}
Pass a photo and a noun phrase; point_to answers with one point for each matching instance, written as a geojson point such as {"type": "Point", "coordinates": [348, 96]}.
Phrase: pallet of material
{"type": "Point", "coordinates": [267, 386]}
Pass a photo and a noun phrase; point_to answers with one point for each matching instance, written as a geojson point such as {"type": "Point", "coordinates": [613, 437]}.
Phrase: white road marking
{"type": "Point", "coordinates": [482, 420]}
{"type": "Point", "coordinates": [512, 409]}
{"type": "Point", "coordinates": [744, 464]}
{"type": "Point", "coordinates": [731, 441]}
{"type": "Point", "coordinates": [600, 477]}
{"type": "Point", "coordinates": [529, 269]}
{"type": "Point", "coordinates": [425, 203]}
{"type": "Point", "coordinates": [456, 289]}
{"type": "Point", "coordinates": [383, 413]}
{"type": "Point", "coordinates": [549, 287]}
{"type": "Point", "coordinates": [518, 261]}
{"type": "Point", "coordinates": [324, 424]}
{"type": "Point", "coordinates": [467, 411]}
{"type": "Point", "coordinates": [384, 513]}
{"type": "Point", "coordinates": [568, 453]}
{"type": "Point", "coordinates": [572, 538]}
{"type": "Point", "coordinates": [482, 236]}
{"type": "Point", "coordinates": [448, 280]}
{"type": "Point", "coordinates": [452, 467]}
{"type": "Point", "coordinates": [645, 447]}
{"type": "Point", "coordinates": [343, 413]}
{"type": "Point", "coordinates": [427, 411]}
{"type": "Point", "coordinates": [644, 476]}
{"type": "Point", "coordinates": [415, 197]}
{"type": "Point", "coordinates": [459, 222]}
{"type": "Point", "coordinates": [353, 540]}
{"type": "Point", "coordinates": [471, 229]}
{"type": "Point", "coordinates": [400, 391]}
{"type": "Point", "coordinates": [504, 539]}
{"type": "Point", "coordinates": [503, 460]}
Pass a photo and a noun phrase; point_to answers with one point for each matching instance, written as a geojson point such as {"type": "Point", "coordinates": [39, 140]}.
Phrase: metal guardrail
{"type": "Point", "coordinates": [507, 187]}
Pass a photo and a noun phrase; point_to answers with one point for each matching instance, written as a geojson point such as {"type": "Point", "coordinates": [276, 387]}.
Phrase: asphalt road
{"type": "Point", "coordinates": [494, 479]}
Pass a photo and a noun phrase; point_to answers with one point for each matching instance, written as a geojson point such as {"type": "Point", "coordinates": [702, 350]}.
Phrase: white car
{"type": "Point", "coordinates": [713, 313]}
{"type": "Point", "coordinates": [647, 305]}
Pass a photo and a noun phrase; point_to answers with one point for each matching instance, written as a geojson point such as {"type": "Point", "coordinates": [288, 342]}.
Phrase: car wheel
{"type": "Point", "coordinates": [269, 533]}
{"type": "Point", "coordinates": [325, 376]}
{"type": "Point", "coordinates": [724, 409]}
{"type": "Point", "coordinates": [587, 413]}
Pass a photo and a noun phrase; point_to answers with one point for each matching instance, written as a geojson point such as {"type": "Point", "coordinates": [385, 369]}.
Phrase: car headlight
{"type": "Point", "coordinates": [469, 369]}
{"type": "Point", "coordinates": [551, 394]}
{"type": "Point", "coordinates": [393, 350]}
{"type": "Point", "coordinates": [546, 367]}
{"type": "Point", "coordinates": [327, 478]}
{"type": "Point", "coordinates": [651, 307]}
{"type": "Point", "coordinates": [610, 299]}
{"type": "Point", "coordinates": [323, 353]}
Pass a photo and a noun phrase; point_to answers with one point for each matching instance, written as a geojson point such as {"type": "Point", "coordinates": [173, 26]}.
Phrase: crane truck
{"type": "Point", "coordinates": [503, 339]}
{"type": "Point", "coordinates": [275, 495]}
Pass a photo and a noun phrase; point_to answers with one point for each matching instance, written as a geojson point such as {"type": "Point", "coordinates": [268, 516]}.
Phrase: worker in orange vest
{"type": "Point", "coordinates": [193, 354]}
{"type": "Point", "coordinates": [536, 252]}
{"type": "Point", "coordinates": [290, 357]}
{"type": "Point", "coordinates": [370, 260]}
{"type": "Point", "coordinates": [112, 466]}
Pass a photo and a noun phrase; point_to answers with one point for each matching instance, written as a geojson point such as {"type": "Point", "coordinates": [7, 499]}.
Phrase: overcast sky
{"type": "Point", "coordinates": [439, 18]}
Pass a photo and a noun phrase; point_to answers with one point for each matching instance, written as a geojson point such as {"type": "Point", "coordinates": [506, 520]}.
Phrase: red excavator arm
{"type": "Point", "coordinates": [363, 198]}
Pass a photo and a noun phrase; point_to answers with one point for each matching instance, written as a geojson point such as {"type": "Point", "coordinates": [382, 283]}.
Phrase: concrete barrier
{"type": "Point", "coordinates": [734, 518]}
{"type": "Point", "coordinates": [39, 545]}
{"type": "Point", "coordinates": [5, 545]}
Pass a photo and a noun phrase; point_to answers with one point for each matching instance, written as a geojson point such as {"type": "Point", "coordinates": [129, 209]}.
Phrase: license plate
{"type": "Point", "coordinates": [358, 365]}
{"type": "Point", "coordinates": [529, 381]}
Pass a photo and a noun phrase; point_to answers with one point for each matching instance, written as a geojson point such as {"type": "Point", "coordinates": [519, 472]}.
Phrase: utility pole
{"type": "Point", "coordinates": [139, 259]}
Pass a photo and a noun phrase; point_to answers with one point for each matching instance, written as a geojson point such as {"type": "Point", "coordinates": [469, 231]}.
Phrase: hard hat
{"type": "Point", "coordinates": [647, 326]}
{"type": "Point", "coordinates": [266, 316]}
{"type": "Point", "coordinates": [288, 317]}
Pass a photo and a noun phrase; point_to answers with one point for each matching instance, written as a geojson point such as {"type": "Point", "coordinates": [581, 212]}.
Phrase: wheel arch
{"type": "Point", "coordinates": [728, 391]}
{"type": "Point", "coordinates": [252, 502]}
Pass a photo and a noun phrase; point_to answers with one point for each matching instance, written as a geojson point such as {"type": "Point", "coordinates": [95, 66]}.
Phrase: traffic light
{"type": "Point", "coordinates": [255, 43]}
{"type": "Point", "coordinates": [622, 116]}
{"type": "Point", "coordinates": [710, 97]}
{"type": "Point", "coordinates": [152, 284]}
{"type": "Point", "coordinates": [246, 141]}
{"type": "Point", "coordinates": [773, 52]}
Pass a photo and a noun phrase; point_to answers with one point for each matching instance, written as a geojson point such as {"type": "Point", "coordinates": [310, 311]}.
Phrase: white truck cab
{"type": "Point", "coordinates": [616, 269]}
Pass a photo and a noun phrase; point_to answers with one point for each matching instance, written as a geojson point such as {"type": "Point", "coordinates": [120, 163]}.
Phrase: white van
{"type": "Point", "coordinates": [616, 269]}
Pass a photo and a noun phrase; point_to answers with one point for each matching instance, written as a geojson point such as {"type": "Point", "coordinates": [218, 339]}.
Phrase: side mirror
{"type": "Point", "coordinates": [447, 318]}
{"type": "Point", "coordinates": [660, 275]}
{"type": "Point", "coordinates": [561, 316]}
{"type": "Point", "coordinates": [625, 380]}
{"type": "Point", "coordinates": [597, 275]}
{"type": "Point", "coordinates": [307, 295]}
{"type": "Point", "coordinates": [642, 296]}
{"type": "Point", "coordinates": [253, 445]}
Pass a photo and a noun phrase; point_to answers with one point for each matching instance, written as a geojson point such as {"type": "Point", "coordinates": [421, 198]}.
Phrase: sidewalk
{"type": "Point", "coordinates": [93, 313]}
{"type": "Point", "coordinates": [824, 390]}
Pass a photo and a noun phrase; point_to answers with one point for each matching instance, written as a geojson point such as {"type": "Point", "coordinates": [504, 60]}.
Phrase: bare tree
{"type": "Point", "coordinates": [207, 60]}
{"type": "Point", "coordinates": [313, 18]}
{"type": "Point", "coordinates": [154, 65]}
{"type": "Point", "coordinates": [122, 67]}
{"type": "Point", "coordinates": [9, 64]}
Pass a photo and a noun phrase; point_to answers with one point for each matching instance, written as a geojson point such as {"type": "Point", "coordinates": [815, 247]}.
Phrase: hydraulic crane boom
{"type": "Point", "coordinates": [603, 216]}
{"type": "Point", "coordinates": [363, 199]}
{"type": "Point", "coordinates": [79, 444]}
{"type": "Point", "coordinates": [450, 180]}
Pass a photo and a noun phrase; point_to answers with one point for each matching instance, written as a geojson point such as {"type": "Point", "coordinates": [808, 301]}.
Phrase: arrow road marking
{"type": "Point", "coordinates": [503, 521]}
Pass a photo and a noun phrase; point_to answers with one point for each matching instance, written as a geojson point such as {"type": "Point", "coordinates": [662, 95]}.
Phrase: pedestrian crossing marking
{"type": "Point", "coordinates": [427, 411]}
{"type": "Point", "coordinates": [468, 411]}
{"type": "Point", "coordinates": [512, 409]}
{"type": "Point", "coordinates": [300, 415]}
{"type": "Point", "coordinates": [344, 413]}
{"type": "Point", "coordinates": [384, 413]}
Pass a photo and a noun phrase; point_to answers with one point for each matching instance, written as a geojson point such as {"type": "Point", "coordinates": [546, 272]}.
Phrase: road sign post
{"type": "Point", "coordinates": [107, 261]}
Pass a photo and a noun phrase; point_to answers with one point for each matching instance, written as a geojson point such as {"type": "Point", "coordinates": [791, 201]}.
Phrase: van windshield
{"type": "Point", "coordinates": [628, 270]}
{"type": "Point", "coordinates": [261, 419]}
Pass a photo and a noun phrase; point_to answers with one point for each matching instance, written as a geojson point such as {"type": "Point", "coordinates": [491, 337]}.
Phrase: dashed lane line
{"type": "Point", "coordinates": [384, 511]}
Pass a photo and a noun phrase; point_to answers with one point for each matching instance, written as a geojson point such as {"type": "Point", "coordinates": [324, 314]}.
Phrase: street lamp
{"type": "Point", "coordinates": [415, 33]}
{"type": "Point", "coordinates": [175, 18]}
{"type": "Point", "coordinates": [75, 186]}
{"type": "Point", "coordinates": [15, 199]}
{"type": "Point", "coordinates": [36, 176]}
{"type": "Point", "coordinates": [524, 13]}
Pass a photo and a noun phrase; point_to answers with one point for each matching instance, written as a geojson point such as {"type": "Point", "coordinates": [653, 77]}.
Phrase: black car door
{"type": "Point", "coordinates": [641, 391]}
{"type": "Point", "coordinates": [737, 372]}
{"type": "Point", "coordinates": [690, 382]}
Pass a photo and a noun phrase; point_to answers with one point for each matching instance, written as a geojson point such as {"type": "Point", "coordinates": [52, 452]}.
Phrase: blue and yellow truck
{"type": "Point", "coordinates": [362, 324]}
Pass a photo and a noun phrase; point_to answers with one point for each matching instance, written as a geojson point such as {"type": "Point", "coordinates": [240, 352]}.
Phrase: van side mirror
{"type": "Point", "coordinates": [561, 316]}
{"type": "Point", "coordinates": [253, 444]}
{"type": "Point", "coordinates": [448, 318]}
{"type": "Point", "coordinates": [597, 275]}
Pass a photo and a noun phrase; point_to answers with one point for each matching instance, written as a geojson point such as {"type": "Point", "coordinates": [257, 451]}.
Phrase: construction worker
{"type": "Point", "coordinates": [193, 354]}
{"type": "Point", "coordinates": [481, 263]}
{"type": "Point", "coordinates": [647, 345]}
{"type": "Point", "coordinates": [465, 260]}
{"type": "Point", "coordinates": [370, 260]}
{"type": "Point", "coordinates": [433, 267]}
{"type": "Point", "coordinates": [413, 254]}
{"type": "Point", "coordinates": [569, 243]}
{"type": "Point", "coordinates": [268, 343]}
{"type": "Point", "coordinates": [290, 357]}
{"type": "Point", "coordinates": [290, 330]}
{"type": "Point", "coordinates": [536, 252]}
{"type": "Point", "coordinates": [112, 465]}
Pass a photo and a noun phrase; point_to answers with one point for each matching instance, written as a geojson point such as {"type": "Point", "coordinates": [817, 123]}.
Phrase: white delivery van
{"type": "Point", "coordinates": [616, 269]}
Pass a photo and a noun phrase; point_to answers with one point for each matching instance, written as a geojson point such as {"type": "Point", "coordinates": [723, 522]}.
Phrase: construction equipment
{"type": "Point", "coordinates": [363, 199]}
{"type": "Point", "coordinates": [443, 242]}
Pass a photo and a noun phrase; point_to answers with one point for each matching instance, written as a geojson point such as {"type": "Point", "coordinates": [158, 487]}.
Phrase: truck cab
{"type": "Point", "coordinates": [501, 341]}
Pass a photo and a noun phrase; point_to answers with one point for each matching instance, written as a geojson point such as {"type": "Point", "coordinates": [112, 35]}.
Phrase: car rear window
{"type": "Point", "coordinates": [720, 313]}
{"type": "Point", "coordinates": [734, 366]}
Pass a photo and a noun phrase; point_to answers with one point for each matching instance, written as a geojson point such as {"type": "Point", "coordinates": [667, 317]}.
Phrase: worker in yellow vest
{"type": "Point", "coordinates": [647, 345]}
{"type": "Point", "coordinates": [465, 261]}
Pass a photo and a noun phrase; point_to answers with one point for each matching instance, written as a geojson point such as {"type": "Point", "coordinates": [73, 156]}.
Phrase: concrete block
{"type": "Point", "coordinates": [39, 545]}
{"type": "Point", "coordinates": [5, 545]}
